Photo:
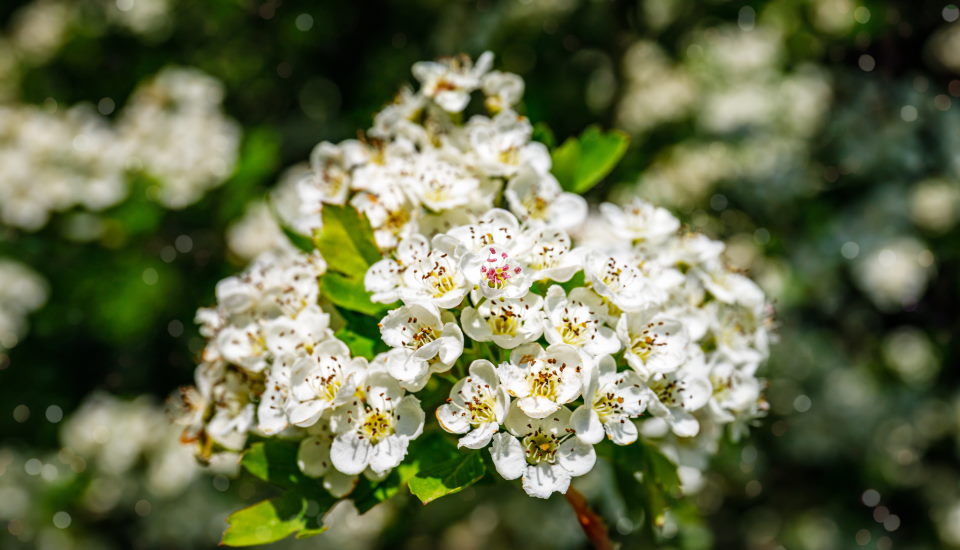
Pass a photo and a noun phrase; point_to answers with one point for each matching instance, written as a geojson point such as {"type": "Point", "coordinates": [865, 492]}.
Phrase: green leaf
{"type": "Point", "coordinates": [368, 494]}
{"type": "Point", "coordinates": [302, 243]}
{"type": "Point", "coordinates": [360, 346]}
{"type": "Point", "coordinates": [346, 241]}
{"type": "Point", "coordinates": [275, 461]}
{"type": "Point", "coordinates": [543, 134]}
{"type": "Point", "coordinates": [443, 469]}
{"type": "Point", "coordinates": [266, 521]}
{"type": "Point", "coordinates": [648, 478]}
{"type": "Point", "coordinates": [349, 293]}
{"type": "Point", "coordinates": [580, 164]}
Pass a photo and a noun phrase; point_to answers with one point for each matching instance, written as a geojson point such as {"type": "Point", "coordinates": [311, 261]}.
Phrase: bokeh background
{"type": "Point", "coordinates": [820, 138]}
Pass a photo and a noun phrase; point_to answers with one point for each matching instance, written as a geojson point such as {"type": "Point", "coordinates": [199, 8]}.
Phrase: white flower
{"type": "Point", "coordinates": [622, 284]}
{"type": "Point", "coordinates": [736, 393]}
{"type": "Point", "coordinates": [653, 343]}
{"type": "Point", "coordinates": [313, 459]}
{"type": "Point", "coordinates": [284, 336]}
{"type": "Point", "coordinates": [435, 279]}
{"type": "Point", "coordinates": [495, 274]}
{"type": "Point", "coordinates": [271, 412]}
{"type": "Point", "coordinates": [544, 452]}
{"type": "Point", "coordinates": [640, 221]}
{"type": "Point", "coordinates": [537, 199]}
{"type": "Point", "coordinates": [384, 278]}
{"type": "Point", "coordinates": [503, 90]}
{"type": "Point", "coordinates": [322, 381]}
{"type": "Point", "coordinates": [233, 410]}
{"type": "Point", "coordinates": [498, 228]}
{"type": "Point", "coordinates": [424, 334]}
{"type": "Point", "coordinates": [674, 396]}
{"type": "Point", "coordinates": [450, 81]}
{"type": "Point", "coordinates": [611, 399]}
{"type": "Point", "coordinates": [739, 333]}
{"type": "Point", "coordinates": [391, 214]}
{"type": "Point", "coordinates": [501, 145]}
{"type": "Point", "coordinates": [550, 256]}
{"type": "Point", "coordinates": [507, 323]}
{"type": "Point", "coordinates": [439, 183]}
{"type": "Point", "coordinates": [476, 407]}
{"type": "Point", "coordinates": [572, 320]}
{"type": "Point", "coordinates": [732, 288]}
{"type": "Point", "coordinates": [543, 380]}
{"type": "Point", "coordinates": [374, 429]}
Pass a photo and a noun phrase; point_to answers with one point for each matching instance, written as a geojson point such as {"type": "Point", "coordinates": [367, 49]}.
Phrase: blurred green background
{"type": "Point", "coordinates": [818, 137]}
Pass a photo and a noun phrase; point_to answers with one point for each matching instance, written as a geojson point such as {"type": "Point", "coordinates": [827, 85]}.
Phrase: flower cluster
{"type": "Point", "coordinates": [21, 292]}
{"type": "Point", "coordinates": [555, 341]}
{"type": "Point", "coordinates": [172, 130]}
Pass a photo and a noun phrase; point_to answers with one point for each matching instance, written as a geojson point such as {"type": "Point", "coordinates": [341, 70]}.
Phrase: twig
{"type": "Point", "coordinates": [592, 524]}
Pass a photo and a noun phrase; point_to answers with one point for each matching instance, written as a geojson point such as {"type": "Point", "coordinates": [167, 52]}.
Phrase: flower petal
{"type": "Point", "coordinates": [544, 479]}
{"type": "Point", "coordinates": [576, 457]}
{"type": "Point", "coordinates": [586, 422]}
{"type": "Point", "coordinates": [350, 454]}
{"type": "Point", "coordinates": [479, 436]}
{"type": "Point", "coordinates": [507, 455]}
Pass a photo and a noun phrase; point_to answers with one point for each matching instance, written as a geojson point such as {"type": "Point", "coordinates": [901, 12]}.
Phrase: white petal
{"type": "Point", "coordinates": [313, 457]}
{"type": "Point", "coordinates": [387, 454]}
{"type": "Point", "coordinates": [410, 417]}
{"type": "Point", "coordinates": [479, 436]}
{"type": "Point", "coordinates": [576, 457]}
{"type": "Point", "coordinates": [338, 484]}
{"type": "Point", "coordinates": [542, 480]}
{"type": "Point", "coordinates": [306, 413]}
{"type": "Point", "coordinates": [453, 419]}
{"type": "Point", "coordinates": [586, 422]}
{"type": "Point", "coordinates": [621, 431]}
{"type": "Point", "coordinates": [507, 455]}
{"type": "Point", "coordinates": [683, 424]}
{"type": "Point", "coordinates": [350, 454]}
{"type": "Point", "coordinates": [537, 406]}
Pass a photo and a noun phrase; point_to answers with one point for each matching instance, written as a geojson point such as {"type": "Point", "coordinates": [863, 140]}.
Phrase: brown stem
{"type": "Point", "coordinates": [593, 526]}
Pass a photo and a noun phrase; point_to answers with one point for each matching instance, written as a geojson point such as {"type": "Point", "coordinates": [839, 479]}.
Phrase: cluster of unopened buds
{"type": "Point", "coordinates": [557, 328]}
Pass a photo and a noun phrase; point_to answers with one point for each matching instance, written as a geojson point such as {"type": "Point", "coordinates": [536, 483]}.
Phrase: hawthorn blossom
{"type": "Point", "coordinates": [313, 459]}
{"type": "Point", "coordinates": [551, 257]}
{"type": "Point", "coordinates": [496, 274]}
{"type": "Point", "coordinates": [476, 407]}
{"type": "Point", "coordinates": [674, 396]}
{"type": "Point", "coordinates": [319, 382]}
{"type": "Point", "coordinates": [424, 334]}
{"type": "Point", "coordinates": [571, 320]}
{"type": "Point", "coordinates": [450, 81]}
{"type": "Point", "coordinates": [652, 342]}
{"type": "Point", "coordinates": [611, 400]}
{"type": "Point", "coordinates": [374, 429]}
{"type": "Point", "coordinates": [384, 278]}
{"type": "Point", "coordinates": [620, 283]}
{"type": "Point", "coordinates": [507, 323]}
{"type": "Point", "coordinates": [537, 199]}
{"type": "Point", "coordinates": [640, 221]}
{"type": "Point", "coordinates": [543, 380]}
{"type": "Point", "coordinates": [543, 451]}
{"type": "Point", "coordinates": [435, 279]}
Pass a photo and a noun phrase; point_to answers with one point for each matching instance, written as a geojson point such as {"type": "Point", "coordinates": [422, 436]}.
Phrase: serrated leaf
{"type": "Point", "coordinates": [266, 521]}
{"type": "Point", "coordinates": [368, 494]}
{"type": "Point", "coordinates": [349, 293]}
{"type": "Point", "coordinates": [304, 244]}
{"type": "Point", "coordinates": [346, 241]}
{"type": "Point", "coordinates": [443, 469]}
{"type": "Point", "coordinates": [580, 163]}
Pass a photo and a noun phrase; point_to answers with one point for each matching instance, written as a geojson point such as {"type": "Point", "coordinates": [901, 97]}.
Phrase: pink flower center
{"type": "Point", "coordinates": [497, 269]}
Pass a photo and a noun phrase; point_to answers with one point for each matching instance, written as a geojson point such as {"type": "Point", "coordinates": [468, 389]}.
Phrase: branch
{"type": "Point", "coordinates": [591, 523]}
